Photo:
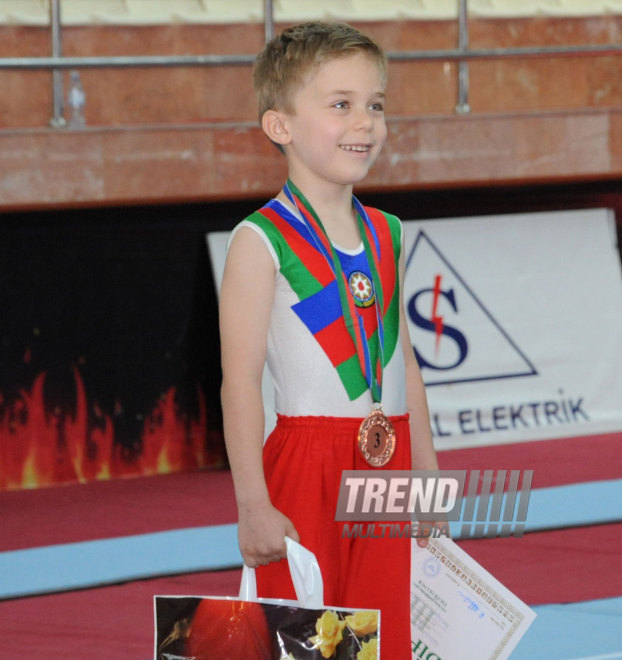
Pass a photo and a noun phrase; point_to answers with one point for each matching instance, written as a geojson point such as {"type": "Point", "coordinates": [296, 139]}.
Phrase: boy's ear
{"type": "Point", "coordinates": [275, 126]}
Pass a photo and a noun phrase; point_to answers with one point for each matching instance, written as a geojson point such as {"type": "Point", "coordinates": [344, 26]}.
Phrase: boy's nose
{"type": "Point", "coordinates": [363, 120]}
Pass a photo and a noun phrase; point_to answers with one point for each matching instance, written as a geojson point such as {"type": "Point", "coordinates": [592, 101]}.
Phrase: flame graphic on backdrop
{"type": "Point", "coordinates": [40, 449]}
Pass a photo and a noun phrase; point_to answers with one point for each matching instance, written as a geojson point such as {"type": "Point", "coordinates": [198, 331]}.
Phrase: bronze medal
{"type": "Point", "coordinates": [376, 438]}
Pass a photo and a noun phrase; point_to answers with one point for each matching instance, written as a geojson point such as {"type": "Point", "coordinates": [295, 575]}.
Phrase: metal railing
{"type": "Point", "coordinates": [462, 54]}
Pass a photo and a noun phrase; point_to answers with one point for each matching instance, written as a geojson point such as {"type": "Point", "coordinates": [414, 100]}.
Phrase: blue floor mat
{"type": "Point", "coordinates": [108, 561]}
{"type": "Point", "coordinates": [589, 630]}
{"type": "Point", "coordinates": [574, 505]}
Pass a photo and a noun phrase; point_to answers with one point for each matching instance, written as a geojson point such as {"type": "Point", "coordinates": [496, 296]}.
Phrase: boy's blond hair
{"type": "Point", "coordinates": [290, 57]}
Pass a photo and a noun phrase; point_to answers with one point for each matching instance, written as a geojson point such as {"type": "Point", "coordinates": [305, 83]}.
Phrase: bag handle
{"type": "Point", "coordinates": [305, 573]}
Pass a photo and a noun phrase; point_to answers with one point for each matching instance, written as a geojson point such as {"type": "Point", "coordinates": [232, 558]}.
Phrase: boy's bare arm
{"type": "Point", "coordinates": [423, 454]}
{"type": "Point", "coordinates": [245, 302]}
{"type": "Point", "coordinates": [422, 446]}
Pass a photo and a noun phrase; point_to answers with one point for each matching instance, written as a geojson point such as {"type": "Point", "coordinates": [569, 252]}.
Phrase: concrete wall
{"type": "Point", "coordinates": [185, 134]}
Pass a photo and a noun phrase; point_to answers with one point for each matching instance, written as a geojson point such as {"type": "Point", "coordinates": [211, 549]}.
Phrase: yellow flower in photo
{"type": "Point", "coordinates": [363, 623]}
{"type": "Point", "coordinates": [329, 629]}
{"type": "Point", "coordinates": [369, 650]}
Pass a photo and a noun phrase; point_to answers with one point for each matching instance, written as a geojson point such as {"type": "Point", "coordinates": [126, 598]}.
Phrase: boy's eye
{"type": "Point", "coordinates": [377, 107]}
{"type": "Point", "coordinates": [341, 105]}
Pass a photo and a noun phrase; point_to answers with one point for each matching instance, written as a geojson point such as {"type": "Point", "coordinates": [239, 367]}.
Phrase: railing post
{"type": "Point", "coordinates": [57, 120]}
{"type": "Point", "coordinates": [268, 19]}
{"type": "Point", "coordinates": [463, 106]}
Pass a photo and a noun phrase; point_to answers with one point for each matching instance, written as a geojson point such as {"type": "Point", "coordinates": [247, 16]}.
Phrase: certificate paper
{"type": "Point", "coordinates": [456, 605]}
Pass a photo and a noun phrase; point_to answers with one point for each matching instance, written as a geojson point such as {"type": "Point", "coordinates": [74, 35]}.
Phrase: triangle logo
{"type": "Point", "coordinates": [455, 337]}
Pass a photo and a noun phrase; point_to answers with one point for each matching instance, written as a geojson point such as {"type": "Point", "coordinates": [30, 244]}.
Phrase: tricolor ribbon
{"type": "Point", "coordinates": [371, 244]}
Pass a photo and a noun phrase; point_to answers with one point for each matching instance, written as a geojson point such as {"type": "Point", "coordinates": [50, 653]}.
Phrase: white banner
{"type": "Point", "coordinates": [516, 321]}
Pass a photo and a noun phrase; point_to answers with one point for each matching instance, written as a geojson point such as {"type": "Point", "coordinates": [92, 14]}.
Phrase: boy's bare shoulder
{"type": "Point", "coordinates": [249, 272]}
{"type": "Point", "coordinates": [257, 233]}
{"type": "Point", "coordinates": [247, 243]}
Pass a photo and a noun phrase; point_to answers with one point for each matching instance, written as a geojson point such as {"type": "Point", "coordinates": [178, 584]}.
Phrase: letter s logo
{"type": "Point", "coordinates": [436, 325]}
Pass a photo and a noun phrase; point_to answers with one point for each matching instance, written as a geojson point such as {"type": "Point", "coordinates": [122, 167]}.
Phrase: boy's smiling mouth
{"type": "Point", "coordinates": [355, 147]}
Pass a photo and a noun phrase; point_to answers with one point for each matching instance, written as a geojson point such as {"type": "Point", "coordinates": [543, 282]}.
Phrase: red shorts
{"type": "Point", "coordinates": [303, 461]}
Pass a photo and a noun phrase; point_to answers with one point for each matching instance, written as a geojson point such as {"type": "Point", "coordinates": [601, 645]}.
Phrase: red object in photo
{"type": "Point", "coordinates": [229, 629]}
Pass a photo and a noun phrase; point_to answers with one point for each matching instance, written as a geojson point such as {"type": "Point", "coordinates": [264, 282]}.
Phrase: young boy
{"type": "Point", "coordinates": [312, 283]}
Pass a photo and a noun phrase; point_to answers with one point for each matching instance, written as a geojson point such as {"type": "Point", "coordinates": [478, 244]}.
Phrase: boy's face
{"type": "Point", "coordinates": [337, 127]}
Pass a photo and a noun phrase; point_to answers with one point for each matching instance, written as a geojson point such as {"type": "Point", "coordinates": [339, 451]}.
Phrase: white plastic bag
{"type": "Point", "coordinates": [305, 573]}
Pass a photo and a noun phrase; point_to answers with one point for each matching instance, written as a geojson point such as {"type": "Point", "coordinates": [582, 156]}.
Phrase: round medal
{"type": "Point", "coordinates": [376, 439]}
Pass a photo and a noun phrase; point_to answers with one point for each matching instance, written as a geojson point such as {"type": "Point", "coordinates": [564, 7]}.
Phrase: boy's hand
{"type": "Point", "coordinates": [443, 527]}
{"type": "Point", "coordinates": [261, 533]}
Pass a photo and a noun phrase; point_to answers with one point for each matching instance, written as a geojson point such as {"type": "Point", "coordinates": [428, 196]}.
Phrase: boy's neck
{"type": "Point", "coordinates": [333, 205]}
